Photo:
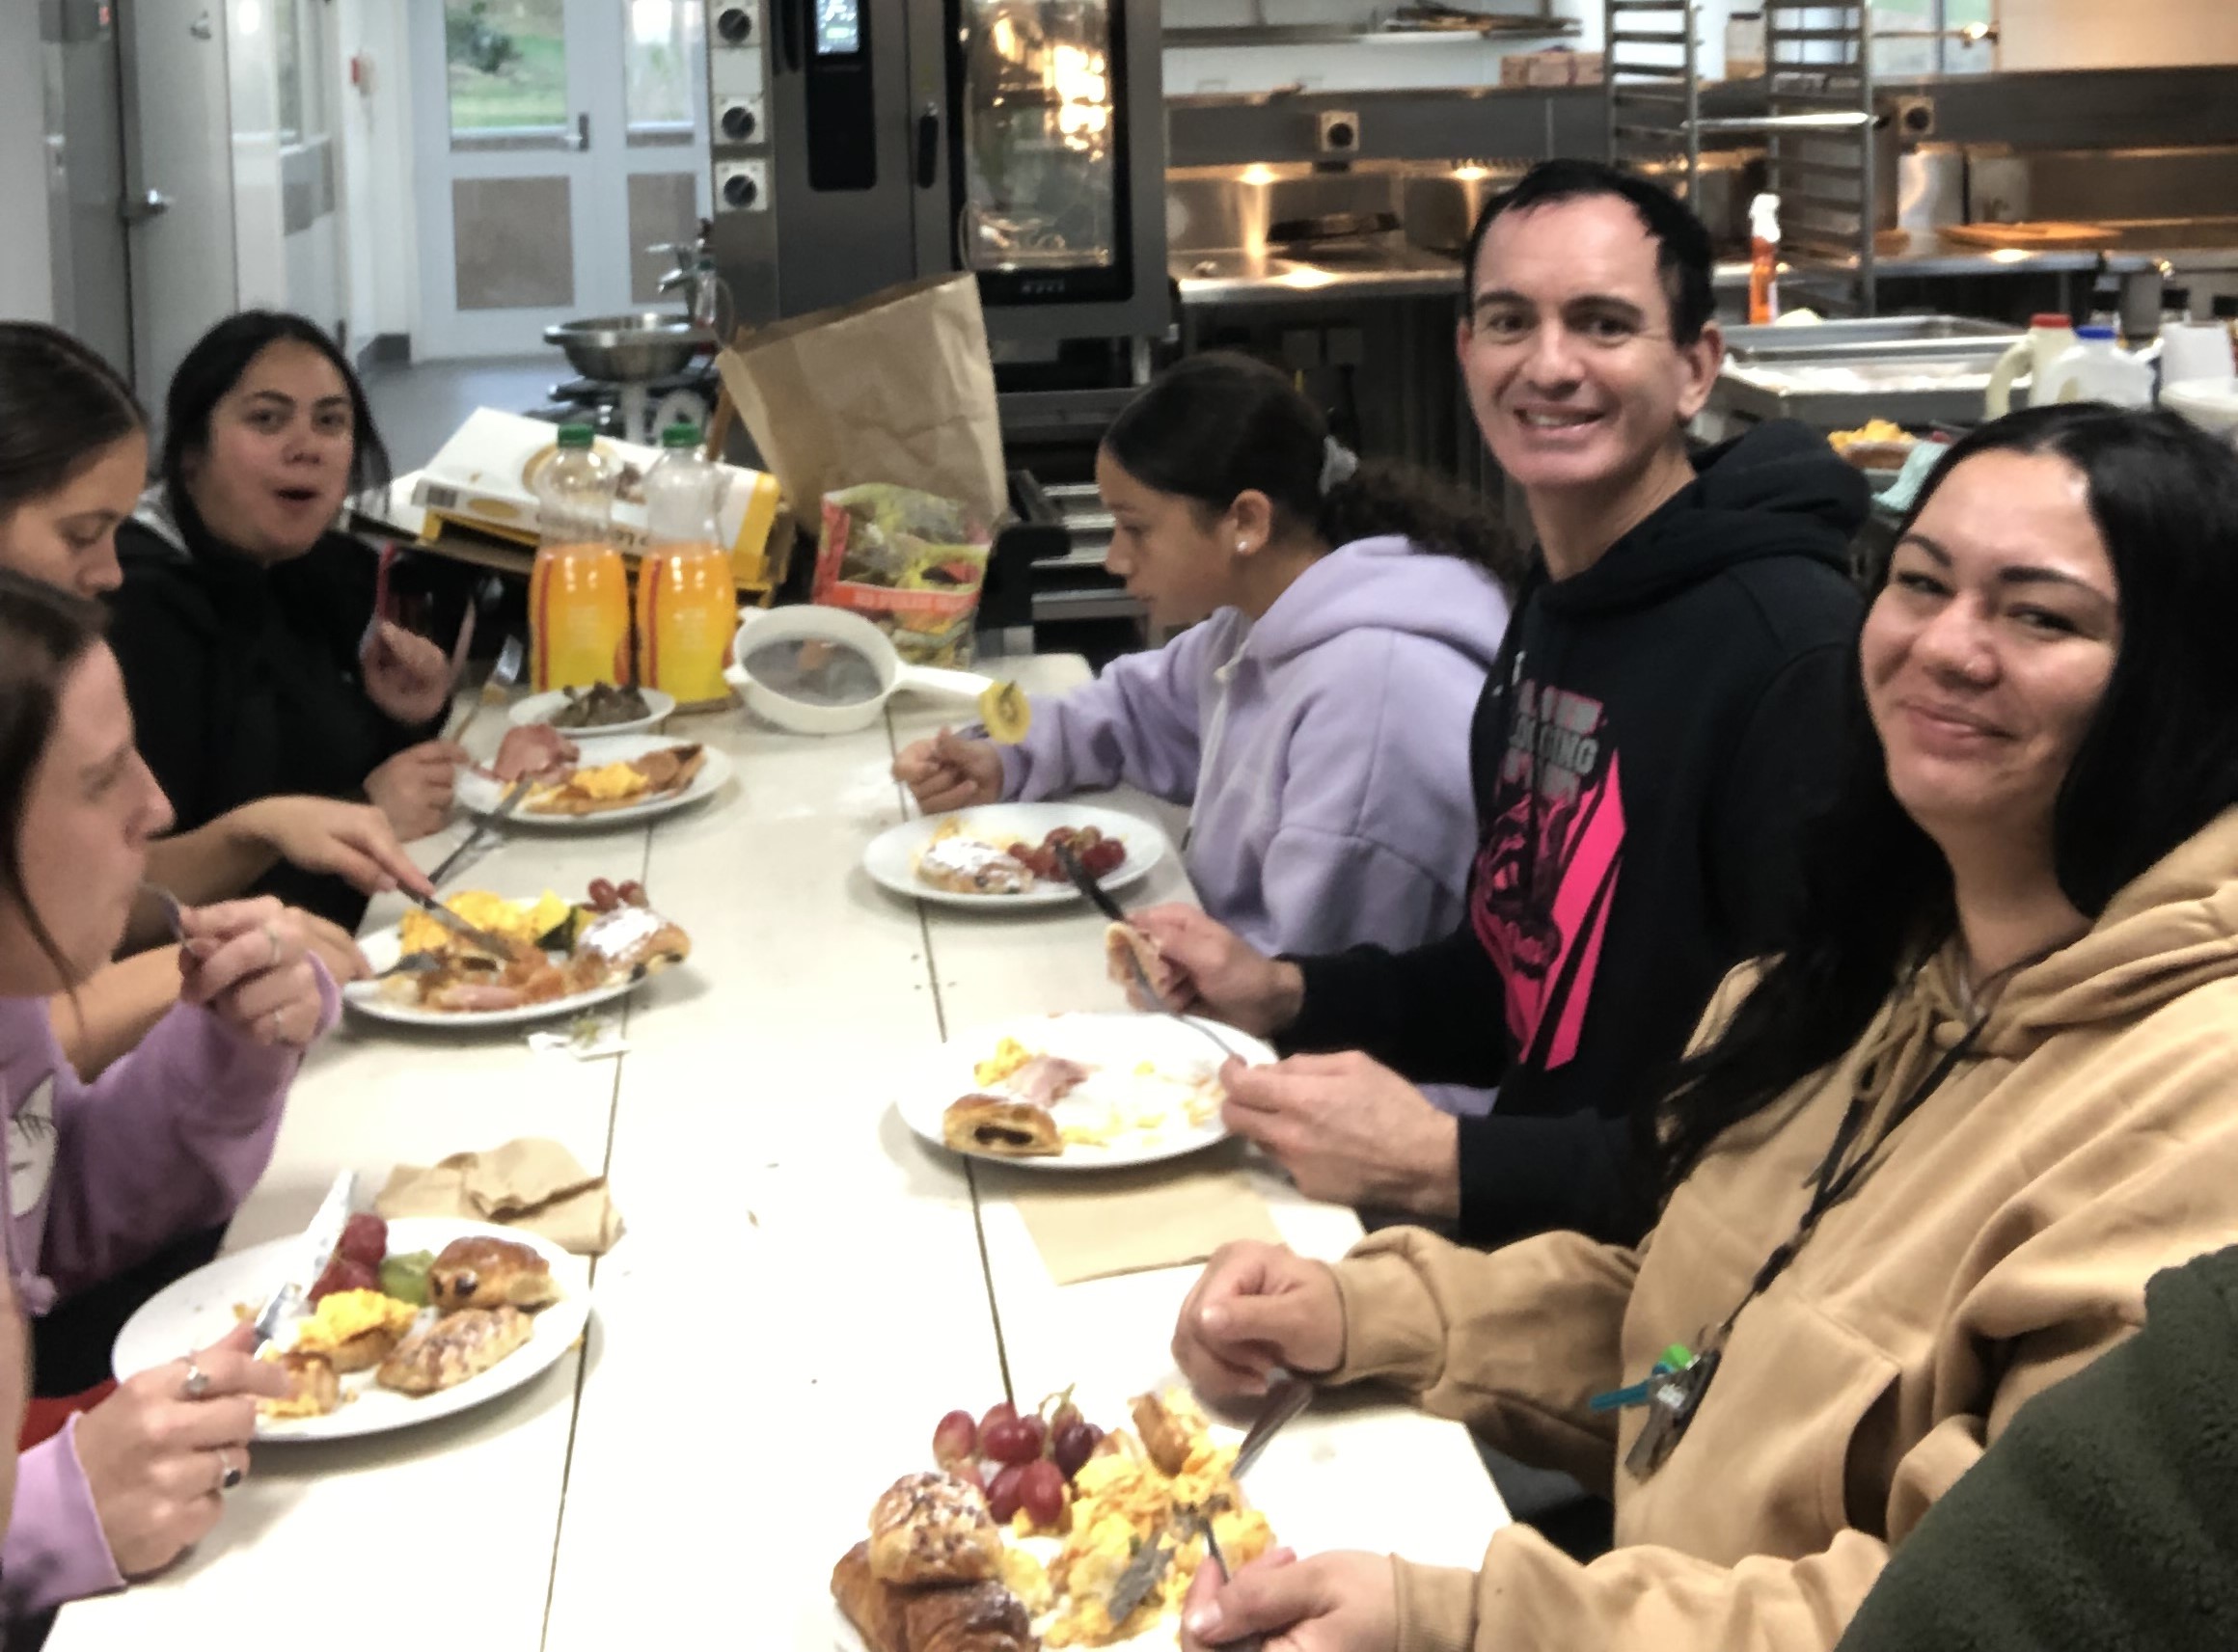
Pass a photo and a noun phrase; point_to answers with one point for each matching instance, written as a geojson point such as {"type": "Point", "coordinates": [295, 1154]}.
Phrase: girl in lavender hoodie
{"type": "Point", "coordinates": [1317, 722]}
{"type": "Point", "coordinates": [168, 1140]}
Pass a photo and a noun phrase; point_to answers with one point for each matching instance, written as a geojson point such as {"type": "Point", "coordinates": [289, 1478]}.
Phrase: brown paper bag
{"type": "Point", "coordinates": [527, 1182]}
{"type": "Point", "coordinates": [894, 388]}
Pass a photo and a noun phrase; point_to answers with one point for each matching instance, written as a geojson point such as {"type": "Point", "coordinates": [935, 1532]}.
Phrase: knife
{"type": "Point", "coordinates": [488, 824]}
{"type": "Point", "coordinates": [1141, 1576]}
{"type": "Point", "coordinates": [497, 946]}
{"type": "Point", "coordinates": [316, 1249]}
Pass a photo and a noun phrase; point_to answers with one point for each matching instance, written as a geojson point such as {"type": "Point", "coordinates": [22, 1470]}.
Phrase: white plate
{"type": "Point", "coordinates": [195, 1312]}
{"type": "Point", "coordinates": [1114, 1045]}
{"type": "Point", "coordinates": [383, 948]}
{"type": "Point", "coordinates": [542, 707]}
{"type": "Point", "coordinates": [891, 856]}
{"type": "Point", "coordinates": [480, 793]}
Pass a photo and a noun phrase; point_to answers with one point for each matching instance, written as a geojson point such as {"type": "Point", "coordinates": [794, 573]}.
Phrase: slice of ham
{"type": "Point", "coordinates": [531, 751]}
{"type": "Point", "coordinates": [1045, 1078]}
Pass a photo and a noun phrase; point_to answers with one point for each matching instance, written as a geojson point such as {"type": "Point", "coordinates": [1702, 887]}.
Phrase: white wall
{"type": "Point", "coordinates": [373, 130]}
{"type": "Point", "coordinates": [2096, 34]}
{"type": "Point", "coordinates": [26, 276]}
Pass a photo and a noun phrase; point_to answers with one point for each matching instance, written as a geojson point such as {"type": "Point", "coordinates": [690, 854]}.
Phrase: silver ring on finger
{"type": "Point", "coordinates": [272, 935]}
{"type": "Point", "coordinates": [230, 1474]}
{"type": "Point", "coordinates": [197, 1383]}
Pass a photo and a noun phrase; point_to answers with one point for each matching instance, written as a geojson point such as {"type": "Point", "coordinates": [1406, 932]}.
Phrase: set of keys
{"type": "Point", "coordinates": [1672, 1391]}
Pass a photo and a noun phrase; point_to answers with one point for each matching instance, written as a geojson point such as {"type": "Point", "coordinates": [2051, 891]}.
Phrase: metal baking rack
{"type": "Point", "coordinates": [1818, 126]}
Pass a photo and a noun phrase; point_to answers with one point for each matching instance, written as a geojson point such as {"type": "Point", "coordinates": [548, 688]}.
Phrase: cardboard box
{"type": "Point", "coordinates": [1588, 69]}
{"type": "Point", "coordinates": [1515, 68]}
{"type": "Point", "coordinates": [483, 478]}
{"type": "Point", "coordinates": [1549, 69]}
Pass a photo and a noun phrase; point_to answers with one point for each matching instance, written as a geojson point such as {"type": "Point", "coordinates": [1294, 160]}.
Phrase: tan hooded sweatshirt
{"type": "Point", "coordinates": [2001, 1241]}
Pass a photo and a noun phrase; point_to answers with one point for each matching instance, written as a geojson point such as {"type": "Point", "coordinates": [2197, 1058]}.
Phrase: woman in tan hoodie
{"type": "Point", "coordinates": [1918, 1167]}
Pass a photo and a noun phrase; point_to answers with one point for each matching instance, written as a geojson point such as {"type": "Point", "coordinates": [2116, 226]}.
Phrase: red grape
{"type": "Point", "coordinates": [365, 1239]}
{"type": "Point", "coordinates": [1012, 1440]}
{"type": "Point", "coordinates": [1002, 1411]}
{"type": "Point", "coordinates": [1073, 1445]}
{"type": "Point", "coordinates": [955, 1439]}
{"type": "Point", "coordinates": [1041, 1493]}
{"type": "Point", "coordinates": [632, 893]}
{"type": "Point", "coordinates": [1003, 1493]}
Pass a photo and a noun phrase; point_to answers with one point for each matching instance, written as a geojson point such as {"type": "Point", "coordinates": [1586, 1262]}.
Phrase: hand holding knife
{"type": "Point", "coordinates": [314, 1251]}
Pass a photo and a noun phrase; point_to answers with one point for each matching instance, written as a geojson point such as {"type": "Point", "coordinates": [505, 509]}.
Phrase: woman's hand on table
{"type": "Point", "coordinates": [355, 842]}
{"type": "Point", "coordinates": [408, 676]}
{"type": "Point", "coordinates": [948, 771]}
{"type": "Point", "coordinates": [1209, 968]}
{"type": "Point", "coordinates": [160, 1452]}
{"type": "Point", "coordinates": [248, 963]}
{"type": "Point", "coordinates": [1349, 1131]}
{"type": "Point", "coordinates": [1256, 1309]}
{"type": "Point", "coordinates": [1331, 1603]}
{"type": "Point", "coordinates": [413, 788]}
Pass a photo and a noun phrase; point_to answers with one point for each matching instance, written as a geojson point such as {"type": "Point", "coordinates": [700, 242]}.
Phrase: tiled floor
{"type": "Point", "coordinates": [417, 405]}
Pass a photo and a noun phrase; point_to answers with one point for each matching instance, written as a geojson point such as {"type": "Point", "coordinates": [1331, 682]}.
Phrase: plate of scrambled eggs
{"type": "Point", "coordinates": [545, 917]}
{"type": "Point", "coordinates": [195, 1312]}
{"type": "Point", "coordinates": [603, 773]}
{"type": "Point", "coordinates": [1150, 1089]}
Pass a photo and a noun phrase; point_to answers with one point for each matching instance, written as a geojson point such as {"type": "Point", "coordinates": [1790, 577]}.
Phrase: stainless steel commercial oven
{"type": "Point", "coordinates": [857, 143]}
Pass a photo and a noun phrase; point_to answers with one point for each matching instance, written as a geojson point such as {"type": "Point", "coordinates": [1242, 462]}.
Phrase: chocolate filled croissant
{"type": "Point", "coordinates": [963, 1617]}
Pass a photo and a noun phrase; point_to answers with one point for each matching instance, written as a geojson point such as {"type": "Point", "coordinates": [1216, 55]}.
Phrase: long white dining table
{"type": "Point", "coordinates": [803, 1286]}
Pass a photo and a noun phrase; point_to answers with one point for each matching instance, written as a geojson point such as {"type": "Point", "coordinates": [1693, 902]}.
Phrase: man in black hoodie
{"type": "Point", "coordinates": [1659, 729]}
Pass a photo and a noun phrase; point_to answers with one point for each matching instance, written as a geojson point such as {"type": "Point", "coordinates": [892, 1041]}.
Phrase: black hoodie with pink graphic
{"type": "Point", "coordinates": [1646, 757]}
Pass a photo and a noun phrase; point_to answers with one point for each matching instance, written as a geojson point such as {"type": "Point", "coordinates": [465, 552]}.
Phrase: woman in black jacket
{"type": "Point", "coordinates": [254, 659]}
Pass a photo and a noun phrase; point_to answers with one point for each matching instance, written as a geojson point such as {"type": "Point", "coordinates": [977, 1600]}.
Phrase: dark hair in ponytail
{"type": "Point", "coordinates": [61, 408]}
{"type": "Point", "coordinates": [1219, 424]}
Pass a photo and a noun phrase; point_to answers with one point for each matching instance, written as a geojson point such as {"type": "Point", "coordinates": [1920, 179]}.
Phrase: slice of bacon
{"type": "Point", "coordinates": [531, 751]}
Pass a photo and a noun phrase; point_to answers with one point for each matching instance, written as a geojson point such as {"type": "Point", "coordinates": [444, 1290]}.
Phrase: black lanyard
{"type": "Point", "coordinates": [1835, 1179]}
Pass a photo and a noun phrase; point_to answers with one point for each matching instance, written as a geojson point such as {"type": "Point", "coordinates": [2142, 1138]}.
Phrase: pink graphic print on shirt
{"type": "Point", "coordinates": [1547, 872]}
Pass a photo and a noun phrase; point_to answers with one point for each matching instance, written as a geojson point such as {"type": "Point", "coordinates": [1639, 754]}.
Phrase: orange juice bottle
{"type": "Point", "coordinates": [687, 602]}
{"type": "Point", "coordinates": [579, 621]}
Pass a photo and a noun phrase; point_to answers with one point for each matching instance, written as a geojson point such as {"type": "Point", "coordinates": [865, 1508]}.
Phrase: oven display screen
{"type": "Point", "coordinates": [838, 27]}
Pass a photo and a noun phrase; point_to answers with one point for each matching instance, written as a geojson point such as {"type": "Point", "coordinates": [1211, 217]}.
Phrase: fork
{"type": "Point", "coordinates": [174, 914]}
{"type": "Point", "coordinates": [411, 963]}
{"type": "Point", "coordinates": [1285, 1399]}
{"type": "Point", "coordinates": [503, 676]}
{"type": "Point", "coordinates": [1085, 880]}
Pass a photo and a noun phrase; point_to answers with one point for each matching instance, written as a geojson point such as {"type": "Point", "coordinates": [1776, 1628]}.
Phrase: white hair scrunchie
{"type": "Point", "coordinates": [1337, 465]}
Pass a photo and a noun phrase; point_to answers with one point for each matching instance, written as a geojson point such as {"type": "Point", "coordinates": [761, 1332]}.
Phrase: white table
{"type": "Point", "coordinates": [804, 1288]}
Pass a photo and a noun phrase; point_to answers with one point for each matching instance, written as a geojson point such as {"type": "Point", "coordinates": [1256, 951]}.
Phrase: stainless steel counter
{"type": "Point", "coordinates": [1394, 270]}
{"type": "Point", "coordinates": [1402, 271]}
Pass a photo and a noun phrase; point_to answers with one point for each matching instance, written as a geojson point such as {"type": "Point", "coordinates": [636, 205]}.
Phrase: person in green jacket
{"type": "Point", "coordinates": [2106, 1518]}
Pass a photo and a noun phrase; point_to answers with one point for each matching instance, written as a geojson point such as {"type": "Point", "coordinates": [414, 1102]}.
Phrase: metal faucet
{"type": "Point", "coordinates": [705, 293]}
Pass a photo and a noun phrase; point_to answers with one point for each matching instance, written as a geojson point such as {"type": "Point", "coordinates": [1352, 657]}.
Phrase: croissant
{"type": "Point", "coordinates": [968, 1617]}
{"type": "Point", "coordinates": [1001, 1126]}
{"type": "Point", "coordinates": [933, 1528]}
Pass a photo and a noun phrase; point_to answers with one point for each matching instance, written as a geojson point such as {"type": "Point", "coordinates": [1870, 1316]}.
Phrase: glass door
{"type": "Point", "coordinates": [557, 141]}
{"type": "Point", "coordinates": [1039, 161]}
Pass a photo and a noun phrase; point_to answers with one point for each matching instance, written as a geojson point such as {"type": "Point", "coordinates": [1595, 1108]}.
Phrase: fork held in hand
{"type": "Point", "coordinates": [1085, 882]}
{"type": "Point", "coordinates": [503, 676]}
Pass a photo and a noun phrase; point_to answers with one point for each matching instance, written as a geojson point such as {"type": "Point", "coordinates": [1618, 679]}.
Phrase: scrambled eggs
{"type": "Point", "coordinates": [1872, 430]}
{"type": "Point", "coordinates": [1123, 1501]}
{"type": "Point", "coordinates": [345, 1314]}
{"type": "Point", "coordinates": [607, 783]}
{"type": "Point", "coordinates": [1009, 1056]}
{"type": "Point", "coordinates": [515, 920]}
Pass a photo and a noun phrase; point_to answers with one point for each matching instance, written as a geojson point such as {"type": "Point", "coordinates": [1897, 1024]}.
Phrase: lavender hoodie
{"type": "Point", "coordinates": [1323, 751]}
{"type": "Point", "coordinates": [170, 1139]}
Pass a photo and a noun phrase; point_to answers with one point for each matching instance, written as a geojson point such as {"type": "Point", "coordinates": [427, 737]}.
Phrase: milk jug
{"type": "Point", "coordinates": [2050, 335]}
{"type": "Point", "coordinates": [2095, 369]}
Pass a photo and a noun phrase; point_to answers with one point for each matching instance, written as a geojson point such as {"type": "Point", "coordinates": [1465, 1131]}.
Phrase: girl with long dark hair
{"type": "Point", "coordinates": [1316, 719]}
{"type": "Point", "coordinates": [102, 1177]}
{"type": "Point", "coordinates": [245, 621]}
{"type": "Point", "coordinates": [1920, 1165]}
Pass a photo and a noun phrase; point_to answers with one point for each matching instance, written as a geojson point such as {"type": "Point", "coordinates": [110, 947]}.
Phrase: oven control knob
{"type": "Point", "coordinates": [739, 191]}
{"type": "Point", "coordinates": [739, 124]}
{"type": "Point", "coordinates": [735, 24]}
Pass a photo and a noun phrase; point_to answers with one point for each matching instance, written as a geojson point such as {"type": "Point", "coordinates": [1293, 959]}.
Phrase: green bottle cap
{"type": "Point", "coordinates": [575, 436]}
{"type": "Point", "coordinates": [680, 435]}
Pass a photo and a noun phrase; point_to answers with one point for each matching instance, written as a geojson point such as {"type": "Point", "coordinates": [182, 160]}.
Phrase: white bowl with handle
{"type": "Point", "coordinates": [888, 674]}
